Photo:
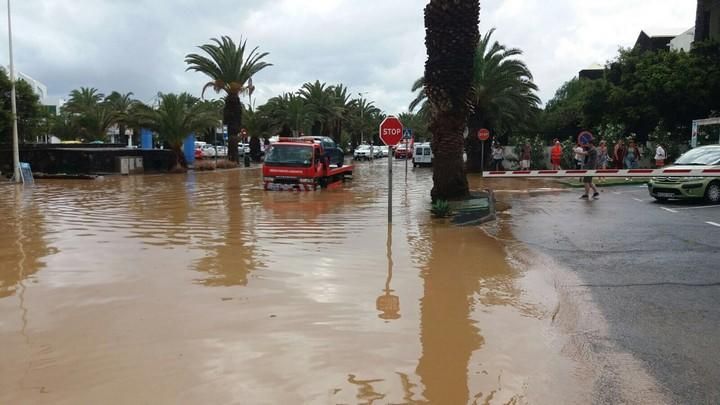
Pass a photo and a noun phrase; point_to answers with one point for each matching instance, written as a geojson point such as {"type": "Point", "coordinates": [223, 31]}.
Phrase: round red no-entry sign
{"type": "Point", "coordinates": [391, 131]}
{"type": "Point", "coordinates": [483, 134]}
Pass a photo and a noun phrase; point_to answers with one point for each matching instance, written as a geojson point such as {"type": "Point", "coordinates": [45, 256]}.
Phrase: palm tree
{"type": "Point", "coordinates": [287, 110]}
{"type": "Point", "coordinates": [365, 118]}
{"type": "Point", "coordinates": [504, 98]}
{"type": "Point", "coordinates": [123, 106]}
{"type": "Point", "coordinates": [320, 102]}
{"type": "Point", "coordinates": [451, 28]}
{"type": "Point", "coordinates": [343, 106]}
{"type": "Point", "coordinates": [90, 113]}
{"type": "Point", "coordinates": [230, 71]}
{"type": "Point", "coordinates": [176, 117]}
{"type": "Point", "coordinates": [83, 99]}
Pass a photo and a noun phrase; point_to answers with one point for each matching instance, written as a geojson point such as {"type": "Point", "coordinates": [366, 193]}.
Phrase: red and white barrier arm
{"type": "Point", "coordinates": [699, 171]}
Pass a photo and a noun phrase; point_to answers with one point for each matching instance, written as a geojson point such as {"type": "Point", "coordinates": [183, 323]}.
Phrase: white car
{"type": "Point", "coordinates": [362, 153]}
{"type": "Point", "coordinates": [208, 150]}
{"type": "Point", "coordinates": [385, 150]}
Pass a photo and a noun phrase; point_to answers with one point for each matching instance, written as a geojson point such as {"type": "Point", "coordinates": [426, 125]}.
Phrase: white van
{"type": "Point", "coordinates": [423, 155]}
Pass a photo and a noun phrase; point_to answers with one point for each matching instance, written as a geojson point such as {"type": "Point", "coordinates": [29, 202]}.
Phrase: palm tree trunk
{"type": "Point", "coordinates": [232, 117]}
{"type": "Point", "coordinates": [451, 35]}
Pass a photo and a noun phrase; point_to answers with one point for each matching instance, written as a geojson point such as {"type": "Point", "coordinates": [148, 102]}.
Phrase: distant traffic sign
{"type": "Point", "coordinates": [483, 134]}
{"type": "Point", "coordinates": [585, 137]}
{"type": "Point", "coordinates": [407, 134]}
{"type": "Point", "coordinates": [391, 131]}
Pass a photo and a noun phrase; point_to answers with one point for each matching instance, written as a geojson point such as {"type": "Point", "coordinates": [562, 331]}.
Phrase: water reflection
{"type": "Point", "coordinates": [23, 239]}
{"type": "Point", "coordinates": [462, 264]}
{"type": "Point", "coordinates": [233, 254]}
{"type": "Point", "coordinates": [388, 304]}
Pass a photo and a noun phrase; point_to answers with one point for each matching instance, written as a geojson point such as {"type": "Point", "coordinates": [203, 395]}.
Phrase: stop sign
{"type": "Point", "coordinates": [391, 131]}
{"type": "Point", "coordinates": [483, 134]}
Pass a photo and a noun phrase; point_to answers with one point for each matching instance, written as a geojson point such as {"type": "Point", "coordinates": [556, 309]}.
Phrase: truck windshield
{"type": "Point", "coordinates": [290, 155]}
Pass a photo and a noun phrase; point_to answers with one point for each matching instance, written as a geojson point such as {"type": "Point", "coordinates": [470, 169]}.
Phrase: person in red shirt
{"type": "Point", "coordinates": [556, 154]}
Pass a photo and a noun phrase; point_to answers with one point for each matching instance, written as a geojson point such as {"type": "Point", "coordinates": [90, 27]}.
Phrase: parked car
{"type": "Point", "coordinates": [664, 188]}
{"type": "Point", "coordinates": [198, 153]}
{"type": "Point", "coordinates": [333, 152]}
{"type": "Point", "coordinates": [208, 150]}
{"type": "Point", "coordinates": [403, 152]}
{"type": "Point", "coordinates": [385, 150]}
{"type": "Point", "coordinates": [362, 153]}
{"type": "Point", "coordinates": [422, 156]}
{"type": "Point", "coordinates": [377, 151]}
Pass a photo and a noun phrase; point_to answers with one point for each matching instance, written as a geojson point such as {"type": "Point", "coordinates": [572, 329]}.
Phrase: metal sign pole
{"type": "Point", "coordinates": [390, 162]}
{"type": "Point", "coordinates": [482, 159]}
{"type": "Point", "coordinates": [407, 145]}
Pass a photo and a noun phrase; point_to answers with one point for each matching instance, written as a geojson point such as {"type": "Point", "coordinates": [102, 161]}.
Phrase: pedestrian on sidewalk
{"type": "Point", "coordinates": [619, 154]}
{"type": "Point", "coordinates": [556, 154]}
{"type": "Point", "coordinates": [633, 156]}
{"type": "Point", "coordinates": [591, 163]}
{"type": "Point", "coordinates": [525, 155]}
{"type": "Point", "coordinates": [579, 156]}
{"type": "Point", "coordinates": [660, 157]}
{"type": "Point", "coordinates": [498, 155]}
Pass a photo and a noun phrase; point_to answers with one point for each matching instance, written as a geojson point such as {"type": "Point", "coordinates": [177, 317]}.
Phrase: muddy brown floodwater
{"type": "Point", "coordinates": [203, 288]}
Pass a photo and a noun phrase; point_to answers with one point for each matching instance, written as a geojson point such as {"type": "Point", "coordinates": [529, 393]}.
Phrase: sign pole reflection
{"type": "Point", "coordinates": [388, 304]}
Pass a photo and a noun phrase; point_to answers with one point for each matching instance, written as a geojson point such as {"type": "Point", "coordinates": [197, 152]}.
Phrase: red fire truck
{"type": "Point", "coordinates": [295, 164]}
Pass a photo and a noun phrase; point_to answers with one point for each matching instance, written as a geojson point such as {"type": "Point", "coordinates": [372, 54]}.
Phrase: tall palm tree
{"type": "Point", "coordinates": [364, 116]}
{"type": "Point", "coordinates": [504, 96]}
{"type": "Point", "coordinates": [90, 113]}
{"type": "Point", "coordinates": [123, 106]}
{"type": "Point", "coordinates": [503, 99]}
{"type": "Point", "coordinates": [287, 110]}
{"type": "Point", "coordinates": [451, 35]}
{"type": "Point", "coordinates": [230, 71]}
{"type": "Point", "coordinates": [83, 99]}
{"type": "Point", "coordinates": [320, 102]}
{"type": "Point", "coordinates": [343, 106]}
{"type": "Point", "coordinates": [176, 117]}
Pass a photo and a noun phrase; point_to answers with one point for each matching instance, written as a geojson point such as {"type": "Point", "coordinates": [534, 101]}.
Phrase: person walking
{"type": "Point", "coordinates": [603, 157]}
{"type": "Point", "coordinates": [498, 155]}
{"type": "Point", "coordinates": [660, 156]}
{"type": "Point", "coordinates": [619, 154]}
{"type": "Point", "coordinates": [591, 163]}
{"type": "Point", "coordinates": [525, 156]}
{"type": "Point", "coordinates": [633, 156]}
{"type": "Point", "coordinates": [556, 154]}
{"type": "Point", "coordinates": [579, 156]}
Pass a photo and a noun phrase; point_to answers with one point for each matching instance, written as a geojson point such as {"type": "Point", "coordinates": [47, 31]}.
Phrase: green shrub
{"type": "Point", "coordinates": [441, 209]}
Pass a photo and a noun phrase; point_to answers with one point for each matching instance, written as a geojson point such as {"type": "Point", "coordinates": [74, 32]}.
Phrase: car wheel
{"type": "Point", "coordinates": [712, 192]}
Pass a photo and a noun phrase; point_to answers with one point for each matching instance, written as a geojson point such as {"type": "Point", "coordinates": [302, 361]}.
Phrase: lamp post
{"type": "Point", "coordinates": [362, 122]}
{"type": "Point", "coordinates": [16, 147]}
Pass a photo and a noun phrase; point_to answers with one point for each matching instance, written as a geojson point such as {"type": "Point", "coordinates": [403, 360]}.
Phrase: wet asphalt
{"type": "Point", "coordinates": [653, 269]}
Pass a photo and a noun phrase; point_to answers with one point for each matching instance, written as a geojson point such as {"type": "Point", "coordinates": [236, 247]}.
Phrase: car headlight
{"type": "Point", "coordinates": [692, 178]}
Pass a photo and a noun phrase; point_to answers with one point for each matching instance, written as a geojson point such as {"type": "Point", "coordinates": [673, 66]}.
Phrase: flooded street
{"type": "Point", "coordinates": [203, 288]}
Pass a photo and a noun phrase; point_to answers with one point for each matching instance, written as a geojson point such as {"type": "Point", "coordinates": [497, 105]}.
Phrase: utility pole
{"type": "Point", "coordinates": [16, 146]}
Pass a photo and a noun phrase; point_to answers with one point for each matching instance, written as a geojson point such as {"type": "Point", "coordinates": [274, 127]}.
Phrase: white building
{"type": "Point", "coordinates": [684, 41]}
{"type": "Point", "coordinates": [40, 89]}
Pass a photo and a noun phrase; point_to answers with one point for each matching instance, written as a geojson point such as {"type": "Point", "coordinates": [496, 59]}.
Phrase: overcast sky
{"type": "Point", "coordinates": [373, 46]}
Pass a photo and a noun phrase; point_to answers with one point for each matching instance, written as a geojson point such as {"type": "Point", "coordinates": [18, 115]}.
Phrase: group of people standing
{"type": "Point", "coordinates": [622, 156]}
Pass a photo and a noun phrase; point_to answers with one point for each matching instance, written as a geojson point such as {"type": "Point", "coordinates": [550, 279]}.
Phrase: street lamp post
{"type": "Point", "coordinates": [362, 122]}
{"type": "Point", "coordinates": [16, 147]}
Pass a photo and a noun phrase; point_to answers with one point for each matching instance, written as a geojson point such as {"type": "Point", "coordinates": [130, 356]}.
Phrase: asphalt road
{"type": "Point", "coordinates": [652, 269]}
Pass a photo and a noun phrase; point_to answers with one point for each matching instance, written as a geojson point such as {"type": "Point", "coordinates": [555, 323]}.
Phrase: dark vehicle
{"type": "Point", "coordinates": [664, 188]}
{"type": "Point", "coordinates": [333, 152]}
